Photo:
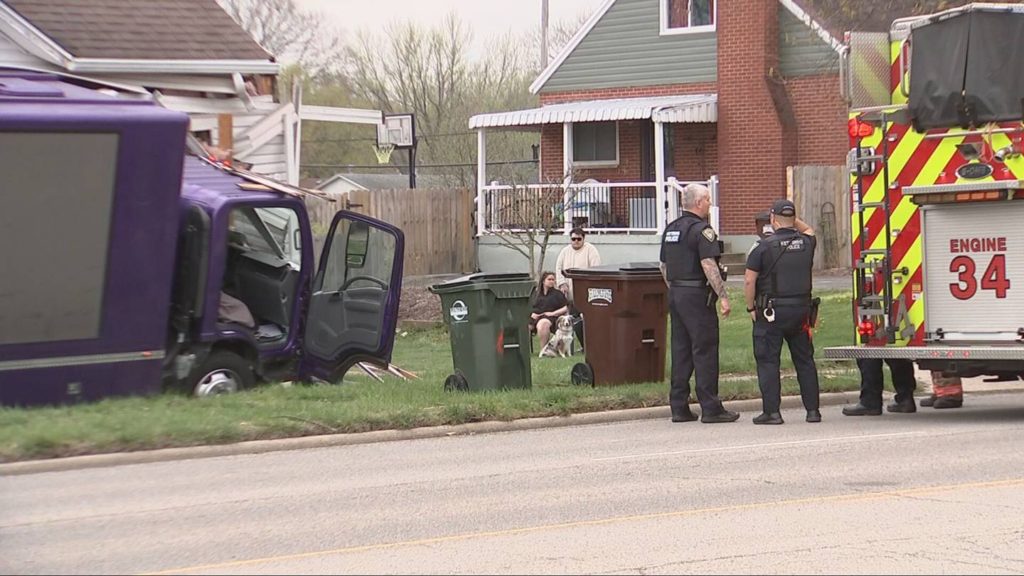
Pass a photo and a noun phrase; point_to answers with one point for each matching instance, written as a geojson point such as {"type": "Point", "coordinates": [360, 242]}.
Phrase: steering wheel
{"type": "Point", "coordinates": [350, 281]}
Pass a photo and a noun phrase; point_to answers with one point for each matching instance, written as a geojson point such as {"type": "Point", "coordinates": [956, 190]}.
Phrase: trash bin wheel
{"type": "Point", "coordinates": [456, 383]}
{"type": "Point", "coordinates": [582, 374]}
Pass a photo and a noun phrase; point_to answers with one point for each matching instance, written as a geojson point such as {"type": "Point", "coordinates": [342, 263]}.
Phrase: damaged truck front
{"type": "Point", "coordinates": [132, 266]}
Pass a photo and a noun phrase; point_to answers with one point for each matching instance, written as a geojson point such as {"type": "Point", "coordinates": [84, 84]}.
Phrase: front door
{"type": "Point", "coordinates": [353, 309]}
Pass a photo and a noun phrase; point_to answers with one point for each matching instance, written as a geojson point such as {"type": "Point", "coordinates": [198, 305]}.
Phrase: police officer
{"type": "Point", "coordinates": [777, 288]}
{"type": "Point", "coordinates": [690, 252]}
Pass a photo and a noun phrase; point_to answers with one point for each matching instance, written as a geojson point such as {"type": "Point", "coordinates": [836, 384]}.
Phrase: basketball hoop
{"type": "Point", "coordinates": [383, 152]}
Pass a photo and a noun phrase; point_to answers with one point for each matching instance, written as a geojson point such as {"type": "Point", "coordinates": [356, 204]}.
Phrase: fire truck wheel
{"type": "Point", "coordinates": [223, 372]}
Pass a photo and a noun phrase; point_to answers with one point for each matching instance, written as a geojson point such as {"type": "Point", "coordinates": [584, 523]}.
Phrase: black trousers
{"type": "Point", "coordinates": [694, 349]}
{"type": "Point", "coordinates": [790, 326]}
{"type": "Point", "coordinates": [872, 379]}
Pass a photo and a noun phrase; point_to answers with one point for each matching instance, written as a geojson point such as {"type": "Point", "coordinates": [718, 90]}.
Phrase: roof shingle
{"type": "Point", "coordinates": [141, 29]}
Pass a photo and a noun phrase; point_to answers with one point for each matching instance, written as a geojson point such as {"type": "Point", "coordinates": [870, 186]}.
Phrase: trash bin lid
{"type": "Point", "coordinates": [630, 269]}
{"type": "Point", "coordinates": [480, 279]}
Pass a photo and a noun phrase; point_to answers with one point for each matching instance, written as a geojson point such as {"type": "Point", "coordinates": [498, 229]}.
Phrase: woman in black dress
{"type": "Point", "coordinates": [549, 303]}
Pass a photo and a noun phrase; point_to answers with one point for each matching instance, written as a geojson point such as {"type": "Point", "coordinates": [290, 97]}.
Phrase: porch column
{"type": "Point", "coordinates": [481, 178]}
{"type": "Point", "coordinates": [567, 178]}
{"type": "Point", "coordinates": [659, 175]}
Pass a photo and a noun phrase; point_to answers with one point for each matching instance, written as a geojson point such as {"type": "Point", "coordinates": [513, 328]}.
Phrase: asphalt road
{"type": "Point", "coordinates": [932, 492]}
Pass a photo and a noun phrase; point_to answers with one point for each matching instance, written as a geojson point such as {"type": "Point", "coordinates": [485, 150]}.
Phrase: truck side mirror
{"type": "Point", "coordinates": [356, 244]}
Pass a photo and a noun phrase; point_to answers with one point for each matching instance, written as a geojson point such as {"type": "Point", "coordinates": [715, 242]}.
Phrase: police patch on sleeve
{"type": "Point", "coordinates": [709, 234]}
{"type": "Point", "coordinates": [672, 236]}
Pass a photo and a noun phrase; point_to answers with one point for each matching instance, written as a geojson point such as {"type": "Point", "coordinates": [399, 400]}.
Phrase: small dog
{"type": "Point", "coordinates": [560, 343]}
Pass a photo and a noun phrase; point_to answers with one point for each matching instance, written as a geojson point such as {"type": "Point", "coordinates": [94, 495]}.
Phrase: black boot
{"type": "Point", "coordinates": [720, 417]}
{"type": "Point", "coordinates": [948, 402]}
{"type": "Point", "coordinates": [814, 416]}
{"type": "Point", "coordinates": [768, 418]}
{"type": "Point", "coordinates": [928, 402]}
{"type": "Point", "coordinates": [859, 409]}
{"type": "Point", "coordinates": [682, 414]}
{"type": "Point", "coordinates": [905, 406]}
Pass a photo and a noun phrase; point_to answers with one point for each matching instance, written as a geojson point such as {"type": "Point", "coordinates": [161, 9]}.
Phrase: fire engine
{"type": "Point", "coordinates": [937, 190]}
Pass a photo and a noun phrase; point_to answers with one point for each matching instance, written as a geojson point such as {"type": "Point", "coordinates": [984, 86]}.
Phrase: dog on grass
{"type": "Point", "coordinates": [560, 343]}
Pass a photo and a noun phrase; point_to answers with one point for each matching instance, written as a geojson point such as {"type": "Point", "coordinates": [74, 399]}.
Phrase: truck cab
{"type": "Point", "coordinates": [251, 301]}
{"type": "Point", "coordinates": [133, 266]}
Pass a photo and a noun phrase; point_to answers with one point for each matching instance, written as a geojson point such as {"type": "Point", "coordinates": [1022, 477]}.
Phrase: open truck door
{"type": "Point", "coordinates": [353, 308]}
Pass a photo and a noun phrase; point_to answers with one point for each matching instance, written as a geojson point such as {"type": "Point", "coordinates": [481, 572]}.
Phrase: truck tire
{"type": "Point", "coordinates": [222, 372]}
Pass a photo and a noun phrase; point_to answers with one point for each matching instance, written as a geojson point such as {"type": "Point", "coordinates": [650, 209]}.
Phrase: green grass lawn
{"type": "Point", "coordinates": [362, 404]}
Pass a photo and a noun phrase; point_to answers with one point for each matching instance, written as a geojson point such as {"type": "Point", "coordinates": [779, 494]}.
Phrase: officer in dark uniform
{"type": "Point", "coordinates": [871, 380]}
{"type": "Point", "coordinates": [778, 294]}
{"type": "Point", "coordinates": [690, 253]}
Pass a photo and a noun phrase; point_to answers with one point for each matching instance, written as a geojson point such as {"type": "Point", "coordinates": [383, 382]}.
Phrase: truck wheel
{"type": "Point", "coordinates": [456, 383]}
{"type": "Point", "coordinates": [222, 373]}
{"type": "Point", "coordinates": [582, 374]}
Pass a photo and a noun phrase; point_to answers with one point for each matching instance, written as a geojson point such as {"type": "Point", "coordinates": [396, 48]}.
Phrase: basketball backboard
{"type": "Point", "coordinates": [397, 129]}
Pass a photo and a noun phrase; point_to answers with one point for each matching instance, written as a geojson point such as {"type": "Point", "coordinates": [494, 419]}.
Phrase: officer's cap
{"type": "Point", "coordinates": [783, 208]}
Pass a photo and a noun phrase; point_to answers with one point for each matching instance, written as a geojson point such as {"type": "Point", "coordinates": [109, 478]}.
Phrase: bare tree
{"type": "Point", "coordinates": [287, 31]}
{"type": "Point", "coordinates": [428, 71]}
{"type": "Point", "coordinates": [523, 218]}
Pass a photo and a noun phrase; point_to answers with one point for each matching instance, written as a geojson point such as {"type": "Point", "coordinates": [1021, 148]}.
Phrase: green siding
{"type": "Point", "coordinates": [801, 51]}
{"type": "Point", "coordinates": [625, 48]}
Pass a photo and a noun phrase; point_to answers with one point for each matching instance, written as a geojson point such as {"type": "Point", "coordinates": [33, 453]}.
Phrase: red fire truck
{"type": "Point", "coordinates": [937, 190]}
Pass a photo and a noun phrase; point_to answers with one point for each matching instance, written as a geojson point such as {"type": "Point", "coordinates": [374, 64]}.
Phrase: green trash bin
{"type": "Point", "coordinates": [488, 322]}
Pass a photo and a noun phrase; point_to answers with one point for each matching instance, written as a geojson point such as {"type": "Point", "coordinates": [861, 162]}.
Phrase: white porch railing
{"type": "Point", "coordinates": [675, 210]}
{"type": "Point", "coordinates": [604, 207]}
{"type": "Point", "coordinates": [614, 207]}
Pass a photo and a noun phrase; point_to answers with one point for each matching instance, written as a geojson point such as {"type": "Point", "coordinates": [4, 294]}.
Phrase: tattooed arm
{"type": "Point", "coordinates": [716, 282]}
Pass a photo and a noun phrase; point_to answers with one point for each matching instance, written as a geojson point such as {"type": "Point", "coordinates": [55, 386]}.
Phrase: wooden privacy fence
{"type": "Point", "coordinates": [438, 224]}
{"type": "Point", "coordinates": [822, 198]}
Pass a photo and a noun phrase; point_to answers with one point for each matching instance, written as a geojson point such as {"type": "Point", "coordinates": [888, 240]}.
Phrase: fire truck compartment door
{"type": "Point", "coordinates": [974, 270]}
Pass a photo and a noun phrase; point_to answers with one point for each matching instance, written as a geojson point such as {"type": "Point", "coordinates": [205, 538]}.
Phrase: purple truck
{"type": "Point", "coordinates": [130, 266]}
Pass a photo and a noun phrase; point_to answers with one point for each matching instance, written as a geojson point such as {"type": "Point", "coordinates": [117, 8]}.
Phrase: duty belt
{"type": "Point", "coordinates": [688, 283]}
{"type": "Point", "coordinates": [791, 301]}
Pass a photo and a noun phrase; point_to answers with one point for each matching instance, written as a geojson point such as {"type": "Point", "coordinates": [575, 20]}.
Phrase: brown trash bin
{"type": "Point", "coordinates": [625, 321]}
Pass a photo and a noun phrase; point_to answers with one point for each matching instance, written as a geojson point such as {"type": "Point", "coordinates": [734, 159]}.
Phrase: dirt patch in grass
{"type": "Point", "coordinates": [418, 305]}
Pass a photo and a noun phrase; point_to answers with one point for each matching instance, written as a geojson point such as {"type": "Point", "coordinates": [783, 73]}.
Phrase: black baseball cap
{"type": "Point", "coordinates": [783, 208]}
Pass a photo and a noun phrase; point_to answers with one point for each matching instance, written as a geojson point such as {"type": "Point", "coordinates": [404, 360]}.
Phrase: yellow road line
{"type": "Point", "coordinates": [603, 521]}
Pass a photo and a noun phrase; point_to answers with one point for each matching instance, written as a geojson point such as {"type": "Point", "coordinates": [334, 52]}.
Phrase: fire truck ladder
{"type": "Point", "coordinates": [875, 299]}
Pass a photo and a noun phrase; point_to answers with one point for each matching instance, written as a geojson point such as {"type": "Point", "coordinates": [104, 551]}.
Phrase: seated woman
{"type": "Point", "coordinates": [549, 303]}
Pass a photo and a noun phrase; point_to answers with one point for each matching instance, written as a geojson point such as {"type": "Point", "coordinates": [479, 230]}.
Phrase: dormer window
{"type": "Point", "coordinates": [684, 16]}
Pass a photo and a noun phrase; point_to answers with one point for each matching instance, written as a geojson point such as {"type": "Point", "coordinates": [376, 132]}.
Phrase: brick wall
{"type": "Point", "coordinates": [626, 92]}
{"type": "Point", "coordinates": [821, 117]}
{"type": "Point", "coordinates": [750, 162]}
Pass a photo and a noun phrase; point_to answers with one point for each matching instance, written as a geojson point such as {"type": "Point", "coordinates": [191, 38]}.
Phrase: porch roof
{"type": "Point", "coordinates": [669, 109]}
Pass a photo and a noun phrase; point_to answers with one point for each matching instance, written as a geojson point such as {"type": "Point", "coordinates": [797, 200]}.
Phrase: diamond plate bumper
{"type": "Point", "coordinates": [1015, 352]}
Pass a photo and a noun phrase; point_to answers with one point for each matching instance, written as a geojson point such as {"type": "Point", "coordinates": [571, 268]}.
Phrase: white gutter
{"type": "Point", "coordinates": [173, 66]}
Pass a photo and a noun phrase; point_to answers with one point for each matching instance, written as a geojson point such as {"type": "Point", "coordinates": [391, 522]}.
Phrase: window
{"type": "Point", "coordinates": [58, 213]}
{"type": "Point", "coordinates": [682, 16]}
{"type": "Point", "coordinates": [595, 144]}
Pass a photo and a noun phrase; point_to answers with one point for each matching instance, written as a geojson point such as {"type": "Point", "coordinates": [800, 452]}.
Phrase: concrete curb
{"type": "Point", "coordinates": [331, 440]}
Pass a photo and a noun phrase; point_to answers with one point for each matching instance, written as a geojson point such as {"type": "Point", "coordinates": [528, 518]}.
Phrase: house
{"type": "Point", "coordinates": [651, 94]}
{"type": "Point", "coordinates": [188, 54]}
{"type": "Point", "coordinates": [351, 181]}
